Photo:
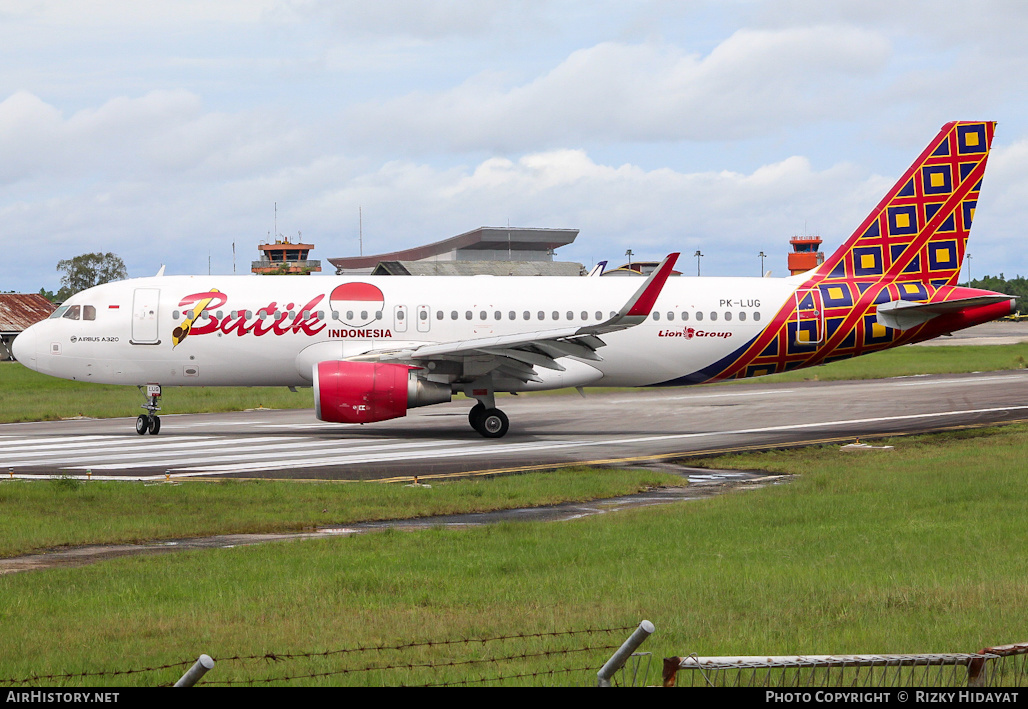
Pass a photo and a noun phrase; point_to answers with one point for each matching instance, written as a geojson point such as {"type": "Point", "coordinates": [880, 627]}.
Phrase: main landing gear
{"type": "Point", "coordinates": [150, 422]}
{"type": "Point", "coordinates": [490, 422]}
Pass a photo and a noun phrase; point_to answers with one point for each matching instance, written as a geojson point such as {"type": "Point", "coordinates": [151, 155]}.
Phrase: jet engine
{"type": "Point", "coordinates": [362, 392]}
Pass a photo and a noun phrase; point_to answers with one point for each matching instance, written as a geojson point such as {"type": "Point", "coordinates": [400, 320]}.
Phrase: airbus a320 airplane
{"type": "Point", "coordinates": [373, 347]}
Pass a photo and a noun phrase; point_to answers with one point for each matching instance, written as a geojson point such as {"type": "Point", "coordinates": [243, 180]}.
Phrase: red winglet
{"type": "Point", "coordinates": [642, 302]}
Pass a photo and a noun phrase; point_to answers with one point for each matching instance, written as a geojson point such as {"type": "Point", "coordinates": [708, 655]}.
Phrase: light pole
{"type": "Point", "coordinates": [762, 255]}
{"type": "Point", "coordinates": [968, 257]}
{"type": "Point", "coordinates": [698, 256]}
{"type": "Point", "coordinates": [629, 255]}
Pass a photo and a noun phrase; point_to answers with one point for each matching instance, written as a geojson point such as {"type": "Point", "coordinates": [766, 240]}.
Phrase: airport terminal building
{"type": "Point", "coordinates": [506, 251]}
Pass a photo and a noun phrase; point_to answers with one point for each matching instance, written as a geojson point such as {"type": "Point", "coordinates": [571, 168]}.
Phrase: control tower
{"type": "Point", "coordinates": [283, 257]}
{"type": "Point", "coordinates": [806, 254]}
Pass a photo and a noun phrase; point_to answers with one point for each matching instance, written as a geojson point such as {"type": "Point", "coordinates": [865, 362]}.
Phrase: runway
{"type": "Point", "coordinates": [624, 428]}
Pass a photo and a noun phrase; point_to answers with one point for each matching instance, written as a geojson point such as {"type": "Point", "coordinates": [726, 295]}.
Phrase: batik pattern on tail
{"type": "Point", "coordinates": [910, 247]}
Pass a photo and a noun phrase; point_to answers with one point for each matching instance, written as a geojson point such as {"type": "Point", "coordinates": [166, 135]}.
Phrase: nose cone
{"type": "Point", "coordinates": [24, 347]}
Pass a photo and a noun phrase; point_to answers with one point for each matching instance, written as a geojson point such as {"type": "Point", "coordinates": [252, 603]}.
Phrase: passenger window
{"type": "Point", "coordinates": [699, 315]}
{"type": "Point", "coordinates": [728, 316]}
{"type": "Point", "coordinates": [756, 317]}
{"type": "Point", "coordinates": [656, 315]}
{"type": "Point", "coordinates": [742, 316]}
{"type": "Point", "coordinates": [527, 315]}
{"type": "Point", "coordinates": [685, 316]}
{"type": "Point", "coordinates": [713, 315]}
{"type": "Point", "coordinates": [467, 315]}
{"type": "Point", "coordinates": [423, 315]}
{"type": "Point", "coordinates": [599, 315]}
{"type": "Point", "coordinates": [453, 315]}
{"type": "Point", "coordinates": [481, 315]}
{"type": "Point", "coordinates": [585, 315]}
{"type": "Point", "coordinates": [542, 315]}
{"type": "Point", "coordinates": [512, 315]}
{"type": "Point", "coordinates": [439, 315]}
{"type": "Point", "coordinates": [670, 315]}
{"type": "Point", "coordinates": [571, 315]}
{"type": "Point", "coordinates": [497, 315]}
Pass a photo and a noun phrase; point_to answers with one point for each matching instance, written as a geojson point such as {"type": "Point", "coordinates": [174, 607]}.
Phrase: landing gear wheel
{"type": "Point", "coordinates": [150, 422]}
{"type": "Point", "coordinates": [493, 423]}
{"type": "Point", "coordinates": [475, 416]}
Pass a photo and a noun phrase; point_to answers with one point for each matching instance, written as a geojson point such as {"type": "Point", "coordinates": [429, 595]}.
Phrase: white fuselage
{"type": "Point", "coordinates": [271, 331]}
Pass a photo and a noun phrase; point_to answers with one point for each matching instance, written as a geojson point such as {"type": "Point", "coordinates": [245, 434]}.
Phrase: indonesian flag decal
{"type": "Point", "coordinates": [357, 304]}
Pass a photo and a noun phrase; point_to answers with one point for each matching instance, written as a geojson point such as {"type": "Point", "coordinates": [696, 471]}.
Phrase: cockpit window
{"type": "Point", "coordinates": [88, 312]}
{"type": "Point", "coordinates": [59, 313]}
{"type": "Point", "coordinates": [74, 312]}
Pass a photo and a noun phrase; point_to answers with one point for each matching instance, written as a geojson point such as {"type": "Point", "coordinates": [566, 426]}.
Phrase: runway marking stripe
{"type": "Point", "coordinates": [60, 440]}
{"type": "Point", "coordinates": [61, 453]}
{"type": "Point", "coordinates": [29, 447]}
{"type": "Point", "coordinates": [291, 453]}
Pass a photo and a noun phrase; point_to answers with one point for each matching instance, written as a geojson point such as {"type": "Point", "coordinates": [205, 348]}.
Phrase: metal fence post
{"type": "Point", "coordinates": [198, 670]}
{"type": "Point", "coordinates": [619, 658]}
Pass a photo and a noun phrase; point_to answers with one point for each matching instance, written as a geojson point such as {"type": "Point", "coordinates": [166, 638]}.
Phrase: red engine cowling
{"type": "Point", "coordinates": [362, 392]}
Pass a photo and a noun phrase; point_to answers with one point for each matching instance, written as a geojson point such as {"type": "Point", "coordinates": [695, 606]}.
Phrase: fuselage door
{"type": "Point", "coordinates": [145, 302]}
{"type": "Point", "coordinates": [810, 317]}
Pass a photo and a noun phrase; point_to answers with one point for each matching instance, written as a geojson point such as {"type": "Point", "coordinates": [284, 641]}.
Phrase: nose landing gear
{"type": "Point", "coordinates": [150, 422]}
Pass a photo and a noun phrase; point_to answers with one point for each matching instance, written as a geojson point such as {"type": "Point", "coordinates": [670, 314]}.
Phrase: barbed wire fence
{"type": "Point", "coordinates": [1001, 666]}
{"type": "Point", "coordinates": [582, 657]}
{"type": "Point", "coordinates": [568, 657]}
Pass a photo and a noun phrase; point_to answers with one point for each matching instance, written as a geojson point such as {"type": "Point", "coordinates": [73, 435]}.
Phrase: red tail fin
{"type": "Point", "coordinates": [918, 232]}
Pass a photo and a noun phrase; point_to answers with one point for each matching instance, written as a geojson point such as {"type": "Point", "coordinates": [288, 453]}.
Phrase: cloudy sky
{"type": "Point", "coordinates": [166, 131]}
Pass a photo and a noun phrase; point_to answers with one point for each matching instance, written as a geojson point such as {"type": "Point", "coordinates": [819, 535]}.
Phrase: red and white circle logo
{"type": "Point", "coordinates": [357, 304]}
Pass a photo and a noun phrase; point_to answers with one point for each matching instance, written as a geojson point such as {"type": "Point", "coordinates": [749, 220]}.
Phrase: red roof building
{"type": "Point", "coordinates": [17, 312]}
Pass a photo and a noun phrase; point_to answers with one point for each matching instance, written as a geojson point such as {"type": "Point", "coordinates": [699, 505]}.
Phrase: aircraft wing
{"type": "Point", "coordinates": [521, 352]}
{"type": "Point", "coordinates": [905, 314]}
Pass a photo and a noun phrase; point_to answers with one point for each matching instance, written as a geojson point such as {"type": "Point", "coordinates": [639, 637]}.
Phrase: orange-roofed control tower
{"type": "Point", "coordinates": [283, 257]}
{"type": "Point", "coordinates": [806, 254]}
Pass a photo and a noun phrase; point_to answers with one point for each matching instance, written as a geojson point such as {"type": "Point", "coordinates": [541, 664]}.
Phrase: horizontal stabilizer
{"type": "Point", "coordinates": [904, 314]}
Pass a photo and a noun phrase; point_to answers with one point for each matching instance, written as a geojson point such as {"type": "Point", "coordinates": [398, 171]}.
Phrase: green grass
{"type": "Point", "coordinates": [910, 361]}
{"type": "Point", "coordinates": [28, 396]}
{"type": "Point", "coordinates": [42, 514]}
{"type": "Point", "coordinates": [919, 549]}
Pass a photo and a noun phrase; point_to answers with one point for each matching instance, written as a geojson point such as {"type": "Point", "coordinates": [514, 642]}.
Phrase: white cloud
{"type": "Point", "coordinates": [749, 85]}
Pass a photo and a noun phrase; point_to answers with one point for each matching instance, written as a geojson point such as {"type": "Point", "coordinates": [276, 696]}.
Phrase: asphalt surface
{"type": "Point", "coordinates": [638, 427]}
